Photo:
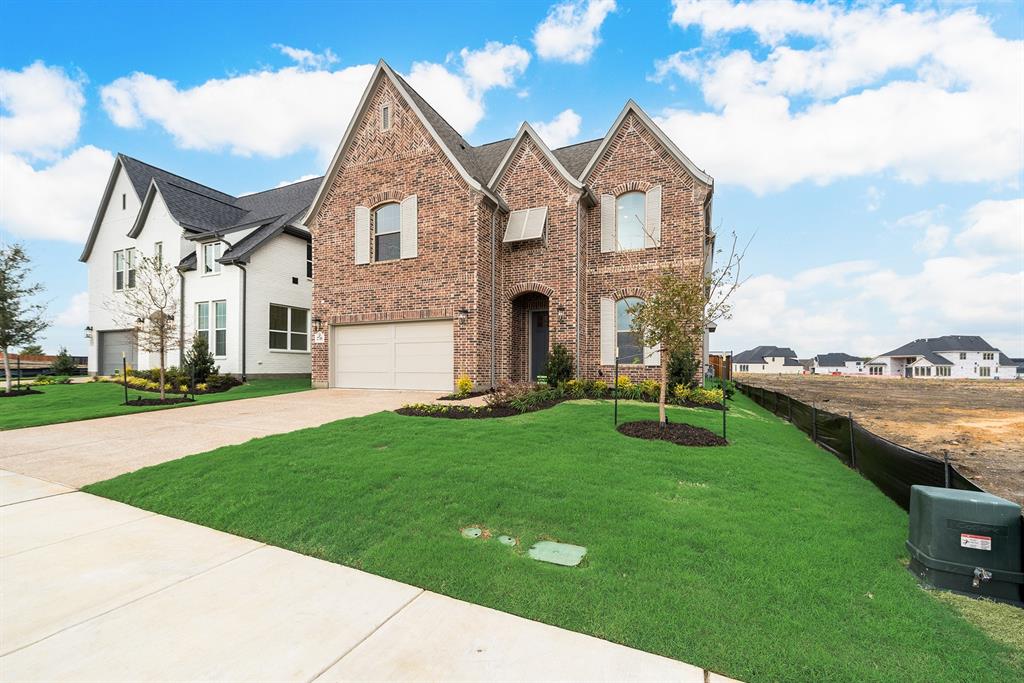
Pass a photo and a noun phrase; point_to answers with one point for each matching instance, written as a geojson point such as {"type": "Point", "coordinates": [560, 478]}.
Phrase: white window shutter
{"type": "Point", "coordinates": [410, 230]}
{"type": "Point", "coordinates": [362, 234]}
{"type": "Point", "coordinates": [653, 232]}
{"type": "Point", "coordinates": [607, 222]}
{"type": "Point", "coordinates": [652, 356]}
{"type": "Point", "coordinates": [607, 331]}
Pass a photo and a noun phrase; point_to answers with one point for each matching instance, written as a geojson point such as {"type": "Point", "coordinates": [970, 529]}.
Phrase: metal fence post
{"type": "Point", "coordinates": [945, 468]}
{"type": "Point", "coordinates": [124, 376]}
{"type": "Point", "coordinates": [853, 449]}
{"type": "Point", "coordinates": [814, 423]}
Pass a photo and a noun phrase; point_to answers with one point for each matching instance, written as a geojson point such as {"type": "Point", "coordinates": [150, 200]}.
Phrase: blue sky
{"type": "Point", "coordinates": [874, 151]}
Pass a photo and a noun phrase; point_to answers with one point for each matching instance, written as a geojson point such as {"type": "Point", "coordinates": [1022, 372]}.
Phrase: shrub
{"type": "Point", "coordinates": [560, 362]}
{"type": "Point", "coordinates": [705, 397]}
{"type": "Point", "coordinates": [64, 364]}
{"type": "Point", "coordinates": [680, 393]}
{"type": "Point", "coordinates": [198, 360]}
{"type": "Point", "coordinates": [624, 383]}
{"type": "Point", "coordinates": [574, 388]}
{"type": "Point", "coordinates": [682, 368]}
{"type": "Point", "coordinates": [650, 389]}
{"type": "Point", "coordinates": [223, 382]}
{"type": "Point", "coordinates": [598, 388]}
{"type": "Point", "coordinates": [52, 379]}
{"type": "Point", "coordinates": [463, 385]}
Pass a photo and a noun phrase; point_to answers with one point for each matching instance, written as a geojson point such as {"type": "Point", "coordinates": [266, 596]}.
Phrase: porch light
{"type": "Point", "coordinates": [561, 313]}
{"type": "Point", "coordinates": [463, 314]}
{"type": "Point", "coordinates": [712, 327]}
{"type": "Point", "coordinates": [318, 324]}
{"type": "Point", "coordinates": [88, 331]}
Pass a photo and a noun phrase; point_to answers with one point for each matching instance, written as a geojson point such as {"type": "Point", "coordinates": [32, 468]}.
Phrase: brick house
{"type": "Point", "coordinates": [434, 258]}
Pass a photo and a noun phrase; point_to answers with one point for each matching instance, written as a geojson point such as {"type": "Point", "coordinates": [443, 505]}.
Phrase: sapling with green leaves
{"type": "Point", "coordinates": [681, 306]}
{"type": "Point", "coordinates": [21, 319]}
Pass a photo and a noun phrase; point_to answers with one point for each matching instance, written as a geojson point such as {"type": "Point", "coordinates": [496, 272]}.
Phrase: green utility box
{"type": "Point", "coordinates": [966, 541]}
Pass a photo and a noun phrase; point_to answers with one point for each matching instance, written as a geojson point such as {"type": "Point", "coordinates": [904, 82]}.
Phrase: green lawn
{"type": "Point", "coordinates": [70, 402]}
{"type": "Point", "coordinates": [765, 560]}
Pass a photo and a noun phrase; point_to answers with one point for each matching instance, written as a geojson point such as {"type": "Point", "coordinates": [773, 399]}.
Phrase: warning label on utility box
{"type": "Point", "coordinates": [976, 542]}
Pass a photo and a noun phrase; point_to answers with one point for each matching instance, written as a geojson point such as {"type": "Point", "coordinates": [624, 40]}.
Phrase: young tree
{"type": "Point", "coordinates": [64, 364]}
{"type": "Point", "coordinates": [148, 309]}
{"type": "Point", "coordinates": [32, 350]}
{"type": "Point", "coordinates": [680, 308]}
{"type": "Point", "coordinates": [20, 320]}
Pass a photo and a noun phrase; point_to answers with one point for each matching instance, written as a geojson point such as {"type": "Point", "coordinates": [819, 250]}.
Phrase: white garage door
{"type": "Point", "coordinates": [112, 344]}
{"type": "Point", "coordinates": [417, 355]}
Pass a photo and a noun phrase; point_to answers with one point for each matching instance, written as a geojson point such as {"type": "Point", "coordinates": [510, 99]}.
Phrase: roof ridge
{"type": "Point", "coordinates": [214, 199]}
{"type": "Point", "coordinates": [281, 187]}
{"type": "Point", "coordinates": [176, 175]}
{"type": "Point", "coordinates": [415, 92]}
{"type": "Point", "coordinates": [576, 144]}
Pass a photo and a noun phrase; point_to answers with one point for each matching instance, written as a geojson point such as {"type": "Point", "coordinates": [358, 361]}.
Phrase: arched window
{"type": "Point", "coordinates": [387, 231]}
{"type": "Point", "coordinates": [630, 347]}
{"type": "Point", "coordinates": [630, 214]}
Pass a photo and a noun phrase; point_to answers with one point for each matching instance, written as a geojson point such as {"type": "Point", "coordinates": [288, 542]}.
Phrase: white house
{"type": "Point", "coordinates": [954, 356]}
{"type": "Point", "coordinates": [838, 364]}
{"type": "Point", "coordinates": [773, 360]}
{"type": "Point", "coordinates": [245, 268]}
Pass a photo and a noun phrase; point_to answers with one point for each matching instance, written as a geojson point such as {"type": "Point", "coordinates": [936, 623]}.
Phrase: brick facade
{"type": "Point", "coordinates": [462, 264]}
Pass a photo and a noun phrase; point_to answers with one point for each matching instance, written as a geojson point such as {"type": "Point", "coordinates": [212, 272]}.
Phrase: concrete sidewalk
{"type": "Point", "coordinates": [87, 451]}
{"type": "Point", "coordinates": [97, 590]}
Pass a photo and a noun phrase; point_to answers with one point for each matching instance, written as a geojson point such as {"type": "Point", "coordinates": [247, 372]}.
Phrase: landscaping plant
{"type": "Point", "coordinates": [198, 361]}
{"type": "Point", "coordinates": [20, 319]}
{"type": "Point", "coordinates": [463, 385]}
{"type": "Point", "coordinates": [64, 364]}
{"type": "Point", "coordinates": [560, 365]}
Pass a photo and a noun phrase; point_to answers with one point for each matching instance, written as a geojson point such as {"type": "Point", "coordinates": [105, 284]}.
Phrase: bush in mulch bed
{"type": "Point", "coordinates": [456, 412]}
{"type": "Point", "coordinates": [676, 432]}
{"type": "Point", "coordinates": [463, 397]}
{"type": "Point", "coordinates": [139, 401]}
{"type": "Point", "coordinates": [18, 392]}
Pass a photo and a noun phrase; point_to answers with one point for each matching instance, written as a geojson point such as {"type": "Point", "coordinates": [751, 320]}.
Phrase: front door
{"type": "Point", "coordinates": [538, 343]}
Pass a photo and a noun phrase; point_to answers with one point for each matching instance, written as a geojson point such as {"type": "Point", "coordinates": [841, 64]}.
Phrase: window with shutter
{"type": "Point", "coordinates": [362, 235]}
{"type": "Point", "coordinates": [410, 230]}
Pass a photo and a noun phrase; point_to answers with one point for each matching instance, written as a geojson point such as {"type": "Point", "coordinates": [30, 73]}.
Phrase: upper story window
{"type": "Point", "coordinates": [387, 226]}
{"type": "Point", "coordinates": [963, 355]}
{"type": "Point", "coordinates": [385, 117]}
{"type": "Point", "coordinates": [124, 201]}
{"type": "Point", "coordinates": [124, 269]}
{"type": "Point", "coordinates": [630, 213]}
{"type": "Point", "coordinates": [212, 252]}
{"type": "Point", "coordinates": [630, 347]}
{"type": "Point", "coordinates": [988, 355]}
{"type": "Point", "coordinates": [158, 253]}
{"type": "Point", "coordinates": [309, 259]}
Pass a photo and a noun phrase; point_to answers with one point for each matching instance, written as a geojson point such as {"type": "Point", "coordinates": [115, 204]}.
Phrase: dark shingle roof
{"type": "Point", "coordinates": [759, 353]}
{"type": "Point", "coordinates": [576, 157]}
{"type": "Point", "coordinates": [140, 173]}
{"type": "Point", "coordinates": [834, 360]}
{"type": "Point", "coordinates": [490, 155]}
{"type": "Point", "coordinates": [936, 359]}
{"type": "Point", "coordinates": [951, 342]}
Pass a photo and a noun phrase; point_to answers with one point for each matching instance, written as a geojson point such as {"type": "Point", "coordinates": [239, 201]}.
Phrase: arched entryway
{"type": "Point", "coordinates": [530, 336]}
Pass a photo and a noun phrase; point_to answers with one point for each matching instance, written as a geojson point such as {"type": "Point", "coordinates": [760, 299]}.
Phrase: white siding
{"type": "Point", "coordinates": [223, 286]}
{"type": "Point", "coordinates": [270, 275]}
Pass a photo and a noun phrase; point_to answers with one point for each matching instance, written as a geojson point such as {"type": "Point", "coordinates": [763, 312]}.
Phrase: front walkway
{"type": "Point", "coordinates": [98, 590]}
{"type": "Point", "coordinates": [87, 451]}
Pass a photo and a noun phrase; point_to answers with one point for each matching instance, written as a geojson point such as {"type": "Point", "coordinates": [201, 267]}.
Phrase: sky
{"type": "Point", "coordinates": [870, 154]}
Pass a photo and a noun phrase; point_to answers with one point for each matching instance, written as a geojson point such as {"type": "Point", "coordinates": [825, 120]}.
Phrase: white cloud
{"type": "Point", "coordinates": [44, 108]}
{"type": "Point", "coordinates": [307, 58]}
{"type": "Point", "coordinates": [268, 113]}
{"type": "Point", "coordinates": [56, 202]}
{"type": "Point", "coordinates": [879, 90]}
{"type": "Point", "coordinates": [861, 307]}
{"type": "Point", "coordinates": [680, 64]}
{"type": "Point", "coordinates": [932, 235]}
{"type": "Point", "coordinates": [495, 66]}
{"type": "Point", "coordinates": [571, 30]}
{"type": "Point", "coordinates": [76, 314]}
{"type": "Point", "coordinates": [561, 130]}
{"type": "Point", "coordinates": [874, 196]}
{"type": "Point", "coordinates": [995, 227]}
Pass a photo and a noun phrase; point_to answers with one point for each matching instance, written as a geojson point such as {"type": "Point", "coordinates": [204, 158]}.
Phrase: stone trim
{"type": "Point", "coordinates": [393, 316]}
{"type": "Point", "coordinates": [631, 186]}
{"type": "Point", "coordinates": [623, 292]}
{"type": "Point", "coordinates": [385, 197]}
{"type": "Point", "coordinates": [524, 287]}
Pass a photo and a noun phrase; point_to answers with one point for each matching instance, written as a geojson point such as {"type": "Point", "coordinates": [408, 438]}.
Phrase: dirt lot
{"type": "Point", "coordinates": [979, 423]}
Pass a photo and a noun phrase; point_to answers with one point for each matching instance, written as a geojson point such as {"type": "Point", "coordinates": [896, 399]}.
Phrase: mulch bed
{"type": "Point", "coordinates": [18, 392]}
{"type": "Point", "coordinates": [158, 402]}
{"type": "Point", "coordinates": [676, 432]}
{"type": "Point", "coordinates": [474, 413]}
{"type": "Point", "coordinates": [462, 397]}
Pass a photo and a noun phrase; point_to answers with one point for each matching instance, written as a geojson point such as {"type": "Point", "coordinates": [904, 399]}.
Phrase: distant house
{"type": "Point", "coordinates": [838, 364]}
{"type": "Point", "coordinates": [772, 360]}
{"type": "Point", "coordinates": [953, 356]}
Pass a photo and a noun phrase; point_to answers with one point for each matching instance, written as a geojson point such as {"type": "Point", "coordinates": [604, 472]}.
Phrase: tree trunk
{"type": "Point", "coordinates": [7, 371]}
{"type": "Point", "coordinates": [664, 386]}
{"type": "Point", "coordinates": [162, 378]}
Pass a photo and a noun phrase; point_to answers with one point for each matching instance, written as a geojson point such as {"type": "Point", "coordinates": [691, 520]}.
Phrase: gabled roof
{"type": "Point", "coordinates": [203, 212]}
{"type": "Point", "coordinates": [932, 359]}
{"type": "Point", "coordinates": [575, 157]}
{"type": "Point", "coordinates": [834, 360]}
{"type": "Point", "coordinates": [454, 146]}
{"type": "Point", "coordinates": [950, 343]}
{"type": "Point", "coordinates": [633, 107]}
{"type": "Point", "coordinates": [758, 354]}
{"type": "Point", "coordinates": [527, 131]}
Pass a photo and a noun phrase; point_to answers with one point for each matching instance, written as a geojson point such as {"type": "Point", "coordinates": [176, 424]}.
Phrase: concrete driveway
{"type": "Point", "coordinates": [94, 590]}
{"type": "Point", "coordinates": [79, 453]}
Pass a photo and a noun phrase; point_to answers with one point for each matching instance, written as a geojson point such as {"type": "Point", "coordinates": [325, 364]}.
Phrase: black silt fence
{"type": "Point", "coordinates": [891, 467]}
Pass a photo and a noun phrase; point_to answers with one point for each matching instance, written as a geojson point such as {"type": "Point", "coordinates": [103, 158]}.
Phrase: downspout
{"type": "Point", "coordinates": [494, 304]}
